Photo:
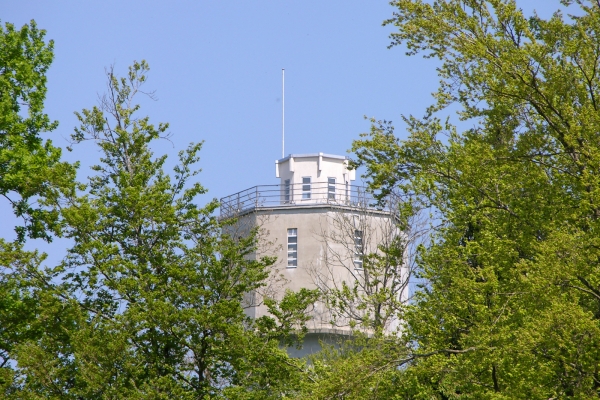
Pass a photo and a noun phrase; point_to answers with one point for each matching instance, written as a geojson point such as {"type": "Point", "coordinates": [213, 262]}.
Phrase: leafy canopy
{"type": "Point", "coordinates": [510, 305]}
{"type": "Point", "coordinates": [30, 168]}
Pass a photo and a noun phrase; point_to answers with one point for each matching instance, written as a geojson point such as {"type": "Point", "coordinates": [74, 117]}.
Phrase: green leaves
{"type": "Point", "coordinates": [511, 267]}
{"type": "Point", "coordinates": [33, 180]}
{"type": "Point", "coordinates": [148, 301]}
{"type": "Point", "coordinates": [30, 167]}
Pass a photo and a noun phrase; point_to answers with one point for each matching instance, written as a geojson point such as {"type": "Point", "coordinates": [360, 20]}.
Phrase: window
{"type": "Point", "coordinates": [330, 188]}
{"type": "Point", "coordinates": [306, 187]}
{"type": "Point", "coordinates": [292, 247]}
{"type": "Point", "coordinates": [358, 249]}
{"type": "Point", "coordinates": [286, 190]}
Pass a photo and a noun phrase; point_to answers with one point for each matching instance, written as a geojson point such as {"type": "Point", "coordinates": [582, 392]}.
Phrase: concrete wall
{"type": "Point", "coordinates": [325, 252]}
{"type": "Point", "coordinates": [312, 343]}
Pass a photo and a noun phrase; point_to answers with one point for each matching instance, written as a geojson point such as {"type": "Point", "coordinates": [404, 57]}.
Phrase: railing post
{"type": "Point", "coordinates": [256, 197]}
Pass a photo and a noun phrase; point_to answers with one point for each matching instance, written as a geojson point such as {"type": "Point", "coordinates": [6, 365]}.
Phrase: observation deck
{"type": "Point", "coordinates": [300, 195]}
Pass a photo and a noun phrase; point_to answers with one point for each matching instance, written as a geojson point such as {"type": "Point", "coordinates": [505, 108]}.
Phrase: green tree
{"type": "Point", "coordinates": [31, 173]}
{"type": "Point", "coordinates": [149, 298]}
{"type": "Point", "coordinates": [372, 297]}
{"type": "Point", "coordinates": [511, 304]}
{"type": "Point", "coordinates": [32, 179]}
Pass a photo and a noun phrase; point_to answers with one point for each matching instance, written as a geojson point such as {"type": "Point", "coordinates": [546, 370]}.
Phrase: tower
{"type": "Point", "coordinates": [320, 227]}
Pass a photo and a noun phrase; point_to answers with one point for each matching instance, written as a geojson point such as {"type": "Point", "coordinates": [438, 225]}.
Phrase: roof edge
{"type": "Point", "coordinates": [334, 156]}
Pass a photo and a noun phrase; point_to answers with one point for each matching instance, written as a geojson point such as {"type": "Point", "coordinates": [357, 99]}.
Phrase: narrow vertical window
{"type": "Point", "coordinates": [286, 190]}
{"type": "Point", "coordinates": [306, 187]}
{"type": "Point", "coordinates": [292, 247]}
{"type": "Point", "coordinates": [358, 249]}
{"type": "Point", "coordinates": [330, 188]}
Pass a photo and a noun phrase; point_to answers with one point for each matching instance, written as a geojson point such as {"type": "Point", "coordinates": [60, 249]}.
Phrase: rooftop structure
{"type": "Point", "coordinates": [306, 180]}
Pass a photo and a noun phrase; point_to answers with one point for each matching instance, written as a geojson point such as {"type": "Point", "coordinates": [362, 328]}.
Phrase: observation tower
{"type": "Point", "coordinates": [319, 226]}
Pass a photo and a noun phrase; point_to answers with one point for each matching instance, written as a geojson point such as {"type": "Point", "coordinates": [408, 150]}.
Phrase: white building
{"type": "Point", "coordinates": [319, 226]}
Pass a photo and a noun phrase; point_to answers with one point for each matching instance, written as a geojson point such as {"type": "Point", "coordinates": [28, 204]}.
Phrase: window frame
{"type": "Point", "coordinates": [287, 184]}
{"type": "Point", "coordinates": [359, 249]}
{"type": "Point", "coordinates": [330, 186]}
{"type": "Point", "coordinates": [292, 247]}
{"type": "Point", "coordinates": [306, 194]}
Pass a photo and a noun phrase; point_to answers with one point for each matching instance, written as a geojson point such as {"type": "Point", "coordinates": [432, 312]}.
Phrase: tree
{"type": "Point", "coordinates": [30, 167]}
{"type": "Point", "coordinates": [32, 179]}
{"type": "Point", "coordinates": [149, 298]}
{"type": "Point", "coordinates": [511, 306]}
{"type": "Point", "coordinates": [365, 273]}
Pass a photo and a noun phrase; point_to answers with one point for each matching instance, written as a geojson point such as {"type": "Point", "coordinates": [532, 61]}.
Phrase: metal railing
{"type": "Point", "coordinates": [297, 194]}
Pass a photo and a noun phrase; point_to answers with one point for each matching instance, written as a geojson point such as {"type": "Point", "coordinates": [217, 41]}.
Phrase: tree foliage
{"type": "Point", "coordinates": [32, 179]}
{"type": "Point", "coordinates": [511, 306]}
{"type": "Point", "coordinates": [31, 173]}
{"type": "Point", "coordinates": [148, 301]}
{"type": "Point", "coordinates": [364, 276]}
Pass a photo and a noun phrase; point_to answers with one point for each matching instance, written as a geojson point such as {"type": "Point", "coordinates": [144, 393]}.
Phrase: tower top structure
{"type": "Point", "coordinates": [320, 167]}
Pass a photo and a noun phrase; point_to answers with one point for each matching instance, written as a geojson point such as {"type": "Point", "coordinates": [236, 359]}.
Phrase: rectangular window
{"type": "Point", "coordinates": [330, 188]}
{"type": "Point", "coordinates": [306, 187]}
{"type": "Point", "coordinates": [358, 249]}
{"type": "Point", "coordinates": [286, 191]}
{"type": "Point", "coordinates": [292, 247]}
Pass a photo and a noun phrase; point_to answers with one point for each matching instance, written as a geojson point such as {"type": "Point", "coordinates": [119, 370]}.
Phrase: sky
{"type": "Point", "coordinates": [216, 69]}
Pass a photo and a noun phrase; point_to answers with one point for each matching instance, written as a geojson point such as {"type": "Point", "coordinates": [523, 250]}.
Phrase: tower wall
{"type": "Point", "coordinates": [326, 254]}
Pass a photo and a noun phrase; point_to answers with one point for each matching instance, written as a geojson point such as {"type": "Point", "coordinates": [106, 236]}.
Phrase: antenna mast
{"type": "Point", "coordinates": [282, 112]}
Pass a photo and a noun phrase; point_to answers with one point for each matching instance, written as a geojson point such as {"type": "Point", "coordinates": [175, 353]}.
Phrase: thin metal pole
{"type": "Point", "coordinates": [282, 112]}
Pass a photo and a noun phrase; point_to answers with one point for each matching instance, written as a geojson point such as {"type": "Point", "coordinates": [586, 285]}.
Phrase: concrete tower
{"type": "Point", "coordinates": [319, 226]}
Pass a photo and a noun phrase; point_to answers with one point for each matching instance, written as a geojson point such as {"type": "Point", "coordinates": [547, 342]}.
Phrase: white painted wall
{"type": "Point", "coordinates": [319, 167]}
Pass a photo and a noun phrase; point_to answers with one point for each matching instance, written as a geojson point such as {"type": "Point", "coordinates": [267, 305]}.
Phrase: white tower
{"type": "Point", "coordinates": [319, 226]}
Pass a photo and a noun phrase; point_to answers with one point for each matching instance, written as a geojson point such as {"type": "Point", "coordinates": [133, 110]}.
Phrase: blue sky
{"type": "Point", "coordinates": [216, 68]}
